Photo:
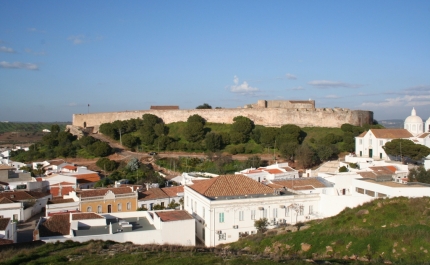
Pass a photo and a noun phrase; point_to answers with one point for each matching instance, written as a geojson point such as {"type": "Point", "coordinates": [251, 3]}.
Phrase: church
{"type": "Point", "coordinates": [369, 144]}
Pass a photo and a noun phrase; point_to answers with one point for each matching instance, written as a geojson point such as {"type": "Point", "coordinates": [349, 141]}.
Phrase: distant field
{"type": "Point", "coordinates": [25, 132]}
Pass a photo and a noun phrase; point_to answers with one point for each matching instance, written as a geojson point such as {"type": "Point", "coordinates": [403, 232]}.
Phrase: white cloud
{"type": "Point", "coordinates": [33, 52]}
{"type": "Point", "coordinates": [243, 88]}
{"type": "Point", "coordinates": [291, 76]}
{"type": "Point", "coordinates": [296, 88]}
{"type": "Point", "coordinates": [19, 65]}
{"type": "Point", "coordinates": [331, 84]}
{"type": "Point", "coordinates": [332, 96]}
{"type": "Point", "coordinates": [6, 49]}
{"type": "Point", "coordinates": [78, 39]}
{"type": "Point", "coordinates": [408, 100]}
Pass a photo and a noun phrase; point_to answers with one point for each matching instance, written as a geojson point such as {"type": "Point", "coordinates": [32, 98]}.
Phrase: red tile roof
{"type": "Point", "coordinates": [298, 184]}
{"type": "Point", "coordinates": [55, 191]}
{"type": "Point", "coordinates": [152, 194]}
{"type": "Point", "coordinates": [56, 225]}
{"type": "Point", "coordinates": [87, 178]}
{"type": "Point", "coordinates": [273, 170]}
{"type": "Point", "coordinates": [60, 200]}
{"type": "Point", "coordinates": [170, 216]}
{"type": "Point", "coordinates": [173, 191]}
{"type": "Point", "coordinates": [383, 170]}
{"type": "Point", "coordinates": [424, 135]}
{"type": "Point", "coordinates": [22, 195]}
{"type": "Point", "coordinates": [5, 200]}
{"type": "Point", "coordinates": [70, 167]}
{"type": "Point", "coordinates": [102, 192]}
{"type": "Point", "coordinates": [84, 216]}
{"type": "Point", "coordinates": [4, 222]}
{"type": "Point", "coordinates": [391, 133]}
{"type": "Point", "coordinates": [288, 168]}
{"type": "Point", "coordinates": [367, 175]}
{"type": "Point", "coordinates": [230, 185]}
{"type": "Point", "coordinates": [5, 167]}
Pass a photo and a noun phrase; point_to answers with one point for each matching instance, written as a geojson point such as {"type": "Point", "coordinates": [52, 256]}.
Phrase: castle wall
{"type": "Point", "coordinates": [273, 117]}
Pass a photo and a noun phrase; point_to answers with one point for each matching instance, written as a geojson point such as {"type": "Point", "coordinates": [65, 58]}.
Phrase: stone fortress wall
{"type": "Point", "coordinates": [265, 114]}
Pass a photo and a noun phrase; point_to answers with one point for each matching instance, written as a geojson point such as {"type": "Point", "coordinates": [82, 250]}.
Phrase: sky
{"type": "Point", "coordinates": [58, 57]}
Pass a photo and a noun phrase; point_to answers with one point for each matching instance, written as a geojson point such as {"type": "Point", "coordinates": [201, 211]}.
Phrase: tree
{"type": "Point", "coordinates": [107, 164]}
{"type": "Point", "coordinates": [130, 141]}
{"type": "Point", "coordinates": [406, 148]}
{"type": "Point", "coordinates": [133, 164]}
{"type": "Point", "coordinates": [253, 161]}
{"type": "Point", "coordinates": [100, 149]}
{"type": "Point", "coordinates": [204, 106]}
{"type": "Point", "coordinates": [213, 141]}
{"type": "Point", "coordinates": [160, 129]}
{"type": "Point", "coordinates": [343, 169]}
{"type": "Point", "coordinates": [149, 120]}
{"type": "Point", "coordinates": [305, 155]}
{"type": "Point", "coordinates": [261, 225]}
{"type": "Point", "coordinates": [419, 175]}
{"type": "Point", "coordinates": [291, 133]}
{"type": "Point", "coordinates": [194, 130]}
{"type": "Point", "coordinates": [243, 125]}
{"type": "Point", "coordinates": [173, 205]}
{"type": "Point", "coordinates": [324, 152]}
{"type": "Point", "coordinates": [288, 149]}
{"type": "Point", "coordinates": [196, 118]}
{"type": "Point", "coordinates": [268, 136]}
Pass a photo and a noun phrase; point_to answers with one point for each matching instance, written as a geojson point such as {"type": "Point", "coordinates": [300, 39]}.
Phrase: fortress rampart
{"type": "Point", "coordinates": [273, 117]}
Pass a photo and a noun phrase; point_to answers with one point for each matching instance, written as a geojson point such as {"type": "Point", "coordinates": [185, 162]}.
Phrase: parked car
{"type": "Point", "coordinates": [152, 153]}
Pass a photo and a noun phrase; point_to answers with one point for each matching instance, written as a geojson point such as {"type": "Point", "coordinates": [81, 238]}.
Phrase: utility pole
{"type": "Point", "coordinates": [88, 108]}
{"type": "Point", "coordinates": [120, 139]}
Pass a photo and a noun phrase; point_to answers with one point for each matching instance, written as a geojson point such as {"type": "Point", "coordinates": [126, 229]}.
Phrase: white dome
{"type": "Point", "coordinates": [413, 123]}
{"type": "Point", "coordinates": [413, 119]}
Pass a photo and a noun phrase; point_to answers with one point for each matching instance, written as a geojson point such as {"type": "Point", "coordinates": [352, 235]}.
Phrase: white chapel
{"type": "Point", "coordinates": [369, 144]}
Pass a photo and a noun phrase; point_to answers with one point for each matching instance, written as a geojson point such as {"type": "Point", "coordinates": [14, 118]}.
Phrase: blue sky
{"type": "Point", "coordinates": [56, 57]}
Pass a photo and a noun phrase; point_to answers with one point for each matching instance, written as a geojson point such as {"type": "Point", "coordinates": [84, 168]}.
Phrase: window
{"type": "Point", "coordinates": [221, 236]}
{"type": "Point", "coordinates": [89, 209]}
{"type": "Point", "coordinates": [119, 207]}
{"type": "Point", "coordinates": [128, 205]}
{"type": "Point", "coordinates": [187, 200]}
{"type": "Point", "coordinates": [275, 212]}
{"type": "Point", "coordinates": [221, 217]}
{"type": "Point", "coordinates": [99, 209]}
{"type": "Point", "coordinates": [195, 205]}
{"type": "Point", "coordinates": [240, 215]}
{"type": "Point", "coordinates": [301, 210]}
{"type": "Point", "coordinates": [370, 141]}
{"type": "Point", "coordinates": [287, 211]}
{"type": "Point", "coordinates": [264, 213]}
{"type": "Point", "coordinates": [360, 141]}
{"type": "Point", "coordinates": [381, 142]}
{"type": "Point", "coordinates": [252, 214]}
{"type": "Point", "coordinates": [203, 212]}
{"type": "Point", "coordinates": [311, 209]}
{"type": "Point", "coordinates": [162, 204]}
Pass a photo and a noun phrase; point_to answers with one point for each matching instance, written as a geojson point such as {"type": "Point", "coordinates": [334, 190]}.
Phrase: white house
{"type": "Point", "coordinates": [142, 227]}
{"type": "Point", "coordinates": [272, 172]}
{"type": "Point", "coordinates": [369, 144]}
{"type": "Point", "coordinates": [226, 207]}
{"type": "Point", "coordinates": [8, 230]}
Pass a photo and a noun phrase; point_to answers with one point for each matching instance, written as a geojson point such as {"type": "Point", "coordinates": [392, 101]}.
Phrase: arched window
{"type": "Point", "coordinates": [89, 209]}
{"type": "Point", "coordinates": [99, 209]}
{"type": "Point", "coordinates": [128, 205]}
{"type": "Point", "coordinates": [119, 207]}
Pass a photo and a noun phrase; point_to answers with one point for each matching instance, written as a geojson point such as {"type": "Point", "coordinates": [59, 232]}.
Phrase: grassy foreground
{"type": "Point", "coordinates": [391, 231]}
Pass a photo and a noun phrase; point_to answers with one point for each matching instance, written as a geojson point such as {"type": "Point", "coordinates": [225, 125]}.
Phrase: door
{"type": "Point", "coordinates": [109, 208]}
{"type": "Point", "coordinates": [370, 152]}
{"type": "Point", "coordinates": [380, 155]}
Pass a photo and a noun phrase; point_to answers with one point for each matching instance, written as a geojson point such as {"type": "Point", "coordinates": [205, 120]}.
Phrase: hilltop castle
{"type": "Point", "coordinates": [273, 113]}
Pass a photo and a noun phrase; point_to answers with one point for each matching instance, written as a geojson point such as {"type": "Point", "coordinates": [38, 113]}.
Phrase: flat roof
{"type": "Point", "coordinates": [393, 184]}
{"type": "Point", "coordinates": [138, 224]}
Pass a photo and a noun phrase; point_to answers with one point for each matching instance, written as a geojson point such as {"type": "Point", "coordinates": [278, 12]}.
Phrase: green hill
{"type": "Point", "coordinates": [391, 231]}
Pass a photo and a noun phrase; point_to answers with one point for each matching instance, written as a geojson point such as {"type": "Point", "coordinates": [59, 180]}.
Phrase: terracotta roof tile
{"type": "Point", "coordinates": [391, 133]}
{"type": "Point", "coordinates": [55, 191]}
{"type": "Point", "coordinates": [424, 135]}
{"type": "Point", "coordinates": [56, 225]}
{"type": "Point", "coordinates": [170, 216]}
{"type": "Point", "coordinates": [60, 200]}
{"type": "Point", "coordinates": [230, 185]}
{"type": "Point", "coordinates": [273, 170]}
{"type": "Point", "coordinates": [152, 194]}
{"type": "Point", "coordinates": [367, 175]}
{"type": "Point", "coordinates": [5, 167]}
{"type": "Point", "coordinates": [102, 192]}
{"type": "Point", "coordinates": [5, 200]}
{"type": "Point", "coordinates": [84, 216]}
{"type": "Point", "coordinates": [173, 191]}
{"type": "Point", "coordinates": [16, 195]}
{"type": "Point", "coordinates": [4, 222]}
{"type": "Point", "coordinates": [300, 183]}
{"type": "Point", "coordinates": [382, 170]}
{"type": "Point", "coordinates": [70, 167]}
{"type": "Point", "coordinates": [87, 178]}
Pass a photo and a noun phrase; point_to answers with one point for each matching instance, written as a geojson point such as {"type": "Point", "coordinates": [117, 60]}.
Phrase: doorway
{"type": "Point", "coordinates": [370, 153]}
{"type": "Point", "coordinates": [109, 208]}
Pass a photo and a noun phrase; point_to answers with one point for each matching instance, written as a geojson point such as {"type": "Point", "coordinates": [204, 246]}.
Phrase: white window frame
{"type": "Point", "coordinates": [241, 215]}
{"type": "Point", "coordinates": [128, 205]}
{"type": "Point", "coordinates": [119, 207]}
{"type": "Point", "coordinates": [221, 217]}
{"type": "Point", "coordinates": [89, 209]}
{"type": "Point", "coordinates": [99, 209]}
{"type": "Point", "coordinates": [252, 214]}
